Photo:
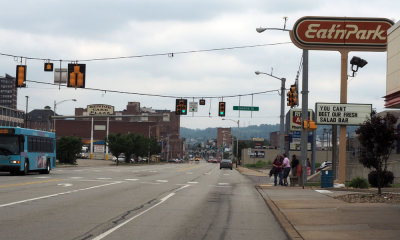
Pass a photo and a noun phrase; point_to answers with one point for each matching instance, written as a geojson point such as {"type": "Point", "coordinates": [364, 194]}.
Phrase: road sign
{"type": "Point", "coordinates": [193, 106]}
{"type": "Point", "coordinates": [245, 108]}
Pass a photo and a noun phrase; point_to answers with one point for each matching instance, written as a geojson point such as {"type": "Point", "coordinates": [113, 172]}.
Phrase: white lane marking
{"type": "Point", "coordinates": [162, 200]}
{"type": "Point", "coordinates": [192, 182]}
{"type": "Point", "coordinates": [207, 173]}
{"type": "Point", "coordinates": [223, 183]}
{"type": "Point", "coordinates": [42, 177]}
{"type": "Point", "coordinates": [57, 194]}
{"type": "Point", "coordinates": [65, 184]}
{"type": "Point", "coordinates": [226, 174]}
{"type": "Point", "coordinates": [75, 177]}
{"type": "Point", "coordinates": [162, 181]}
{"type": "Point", "coordinates": [323, 191]}
{"type": "Point", "coordinates": [153, 171]}
{"type": "Point", "coordinates": [104, 178]}
{"type": "Point", "coordinates": [131, 179]}
{"type": "Point", "coordinates": [189, 173]}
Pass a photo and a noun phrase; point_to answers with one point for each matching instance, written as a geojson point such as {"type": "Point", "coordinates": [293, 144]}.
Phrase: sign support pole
{"type": "Point", "coordinates": [343, 99]}
{"type": "Point", "coordinates": [304, 116]}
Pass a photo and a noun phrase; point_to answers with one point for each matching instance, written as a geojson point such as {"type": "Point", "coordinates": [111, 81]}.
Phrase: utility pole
{"type": "Point", "coordinates": [26, 112]}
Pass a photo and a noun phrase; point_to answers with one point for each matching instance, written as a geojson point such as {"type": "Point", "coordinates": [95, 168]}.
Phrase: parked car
{"type": "Point", "coordinates": [324, 165]}
{"type": "Point", "coordinates": [225, 163]}
{"type": "Point", "coordinates": [121, 158]}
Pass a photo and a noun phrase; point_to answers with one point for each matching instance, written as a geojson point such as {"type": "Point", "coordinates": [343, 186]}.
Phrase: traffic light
{"type": "Point", "coordinates": [48, 67]}
{"type": "Point", "coordinates": [221, 109]}
{"type": "Point", "coordinates": [20, 79]}
{"type": "Point", "coordinates": [295, 96]}
{"type": "Point", "coordinates": [181, 107]}
{"type": "Point", "coordinates": [292, 99]}
{"type": "Point", "coordinates": [76, 75]}
{"type": "Point", "coordinates": [309, 125]}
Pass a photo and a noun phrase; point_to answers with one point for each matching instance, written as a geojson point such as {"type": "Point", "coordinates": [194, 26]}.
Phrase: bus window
{"type": "Point", "coordinates": [9, 145]}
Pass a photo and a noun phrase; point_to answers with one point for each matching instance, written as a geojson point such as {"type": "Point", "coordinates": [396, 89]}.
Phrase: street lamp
{"type": "Point", "coordinates": [304, 104]}
{"type": "Point", "coordinates": [358, 63]}
{"type": "Point", "coordinates": [237, 139]}
{"type": "Point", "coordinates": [54, 112]}
{"type": "Point", "coordinates": [282, 117]}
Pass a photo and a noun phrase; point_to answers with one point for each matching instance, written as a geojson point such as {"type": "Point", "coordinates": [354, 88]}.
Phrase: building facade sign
{"type": "Point", "coordinates": [342, 114]}
{"type": "Point", "coordinates": [296, 120]}
{"type": "Point", "coordinates": [100, 109]}
{"type": "Point", "coordinates": [332, 33]}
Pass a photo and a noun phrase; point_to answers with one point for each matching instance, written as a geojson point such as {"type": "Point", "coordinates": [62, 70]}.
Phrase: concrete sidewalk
{"type": "Point", "coordinates": [314, 213]}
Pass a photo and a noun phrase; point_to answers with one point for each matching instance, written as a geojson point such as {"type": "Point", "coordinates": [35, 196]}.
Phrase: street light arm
{"type": "Point", "coordinates": [269, 74]}
{"type": "Point", "coordinates": [262, 29]}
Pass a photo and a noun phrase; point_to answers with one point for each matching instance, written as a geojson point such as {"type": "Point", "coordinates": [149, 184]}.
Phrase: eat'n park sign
{"type": "Point", "coordinates": [332, 33]}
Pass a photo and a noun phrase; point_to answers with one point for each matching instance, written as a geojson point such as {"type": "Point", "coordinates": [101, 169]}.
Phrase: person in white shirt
{"type": "Point", "coordinates": [286, 169]}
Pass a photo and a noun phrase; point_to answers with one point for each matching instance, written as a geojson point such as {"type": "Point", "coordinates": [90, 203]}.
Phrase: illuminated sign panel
{"type": "Point", "coordinates": [335, 32]}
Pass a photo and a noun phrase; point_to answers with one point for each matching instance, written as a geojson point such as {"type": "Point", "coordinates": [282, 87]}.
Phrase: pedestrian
{"type": "Point", "coordinates": [286, 169]}
{"type": "Point", "coordinates": [277, 164]}
{"type": "Point", "coordinates": [294, 164]}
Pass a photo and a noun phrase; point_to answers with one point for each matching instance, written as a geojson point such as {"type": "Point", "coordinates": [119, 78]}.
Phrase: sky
{"type": "Point", "coordinates": [166, 41]}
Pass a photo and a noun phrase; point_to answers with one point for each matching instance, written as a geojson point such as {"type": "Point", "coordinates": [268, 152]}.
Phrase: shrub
{"type": "Point", "coordinates": [387, 178]}
{"type": "Point", "coordinates": [67, 149]}
{"type": "Point", "coordinates": [358, 182]}
{"type": "Point", "coordinates": [260, 164]}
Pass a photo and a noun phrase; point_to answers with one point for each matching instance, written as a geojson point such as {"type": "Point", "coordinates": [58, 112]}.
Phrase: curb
{"type": "Point", "coordinates": [289, 229]}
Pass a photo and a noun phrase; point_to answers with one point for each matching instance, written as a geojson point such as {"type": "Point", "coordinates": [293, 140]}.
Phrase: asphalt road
{"type": "Point", "coordinates": [170, 201]}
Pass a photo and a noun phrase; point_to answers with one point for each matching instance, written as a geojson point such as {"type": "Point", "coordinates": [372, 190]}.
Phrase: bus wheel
{"type": "Point", "coordinates": [26, 168]}
{"type": "Point", "coordinates": [47, 170]}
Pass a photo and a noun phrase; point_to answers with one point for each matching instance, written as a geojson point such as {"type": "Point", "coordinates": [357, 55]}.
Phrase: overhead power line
{"type": "Point", "coordinates": [169, 54]}
{"type": "Point", "coordinates": [156, 95]}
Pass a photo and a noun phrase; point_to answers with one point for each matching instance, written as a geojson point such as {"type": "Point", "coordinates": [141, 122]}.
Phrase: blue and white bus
{"type": "Point", "coordinates": [23, 150]}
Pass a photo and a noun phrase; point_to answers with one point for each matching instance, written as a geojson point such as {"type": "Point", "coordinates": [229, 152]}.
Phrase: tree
{"type": "Point", "coordinates": [68, 148]}
{"type": "Point", "coordinates": [155, 147]}
{"type": "Point", "coordinates": [116, 144]}
{"type": "Point", "coordinates": [377, 137]}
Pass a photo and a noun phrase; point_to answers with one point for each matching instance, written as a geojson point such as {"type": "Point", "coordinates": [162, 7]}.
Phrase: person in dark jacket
{"type": "Point", "coordinates": [277, 165]}
{"type": "Point", "coordinates": [294, 164]}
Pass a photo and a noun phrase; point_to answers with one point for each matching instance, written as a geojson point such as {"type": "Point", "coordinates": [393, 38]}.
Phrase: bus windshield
{"type": "Point", "coordinates": [9, 145]}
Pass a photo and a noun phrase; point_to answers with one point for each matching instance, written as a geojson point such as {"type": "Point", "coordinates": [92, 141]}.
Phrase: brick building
{"type": "Point", "coordinates": [164, 125]}
{"type": "Point", "coordinates": [224, 139]}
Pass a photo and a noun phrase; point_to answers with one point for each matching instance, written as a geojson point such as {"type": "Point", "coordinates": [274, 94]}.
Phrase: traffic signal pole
{"type": "Point", "coordinates": [304, 116]}
{"type": "Point", "coordinates": [282, 120]}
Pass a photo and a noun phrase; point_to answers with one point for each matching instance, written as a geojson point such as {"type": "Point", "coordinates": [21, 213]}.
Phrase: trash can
{"type": "Point", "coordinates": [326, 178]}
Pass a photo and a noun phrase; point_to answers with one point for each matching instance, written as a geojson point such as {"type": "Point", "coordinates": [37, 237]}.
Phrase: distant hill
{"type": "Point", "coordinates": [246, 133]}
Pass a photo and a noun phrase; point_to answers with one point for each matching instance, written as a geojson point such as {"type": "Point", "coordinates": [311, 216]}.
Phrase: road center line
{"type": "Point", "coordinates": [28, 183]}
{"type": "Point", "coordinates": [56, 194]}
{"type": "Point", "coordinates": [162, 200]}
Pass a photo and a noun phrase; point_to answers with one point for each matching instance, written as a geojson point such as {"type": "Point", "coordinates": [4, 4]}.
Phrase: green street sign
{"type": "Point", "coordinates": [245, 108]}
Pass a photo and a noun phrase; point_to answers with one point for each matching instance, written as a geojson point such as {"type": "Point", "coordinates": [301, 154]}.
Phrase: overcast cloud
{"type": "Point", "coordinates": [77, 30]}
